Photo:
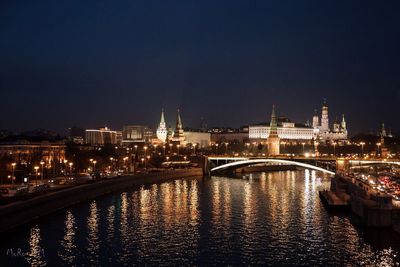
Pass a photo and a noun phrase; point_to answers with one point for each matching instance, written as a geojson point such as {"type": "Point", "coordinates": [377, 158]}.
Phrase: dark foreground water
{"type": "Point", "coordinates": [271, 219]}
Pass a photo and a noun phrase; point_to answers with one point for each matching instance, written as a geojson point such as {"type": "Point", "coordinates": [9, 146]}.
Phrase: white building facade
{"type": "Point", "coordinates": [286, 130]}
{"type": "Point", "coordinates": [99, 137]}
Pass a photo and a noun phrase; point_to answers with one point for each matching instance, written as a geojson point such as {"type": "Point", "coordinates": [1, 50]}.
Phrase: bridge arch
{"type": "Point", "coordinates": [255, 161]}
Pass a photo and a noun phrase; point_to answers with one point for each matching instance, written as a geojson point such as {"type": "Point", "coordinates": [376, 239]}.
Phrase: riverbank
{"type": "Point", "coordinates": [19, 213]}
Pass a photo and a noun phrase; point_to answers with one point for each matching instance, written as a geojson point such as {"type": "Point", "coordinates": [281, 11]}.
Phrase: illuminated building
{"type": "Point", "coordinates": [136, 133]}
{"type": "Point", "coordinates": [99, 137]}
{"type": "Point", "coordinates": [202, 139]}
{"type": "Point", "coordinates": [323, 132]}
{"type": "Point", "coordinates": [27, 150]}
{"type": "Point", "coordinates": [179, 135]}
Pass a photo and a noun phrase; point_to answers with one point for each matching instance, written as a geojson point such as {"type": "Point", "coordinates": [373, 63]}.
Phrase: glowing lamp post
{"type": "Point", "coordinates": [303, 146]}
{"type": "Point", "coordinates": [13, 171]}
{"type": "Point", "coordinates": [145, 150]}
{"type": "Point", "coordinates": [70, 168]}
{"type": "Point", "coordinates": [362, 148]}
{"type": "Point", "coordinates": [36, 170]}
{"type": "Point", "coordinates": [65, 167]}
{"type": "Point", "coordinates": [170, 149]}
{"type": "Point", "coordinates": [378, 145]}
{"type": "Point", "coordinates": [42, 164]}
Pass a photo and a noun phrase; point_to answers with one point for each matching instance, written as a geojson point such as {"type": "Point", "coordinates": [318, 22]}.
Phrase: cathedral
{"type": "Point", "coordinates": [323, 132]}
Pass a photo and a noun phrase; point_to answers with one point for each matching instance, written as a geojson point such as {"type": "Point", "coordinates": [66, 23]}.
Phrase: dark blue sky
{"type": "Point", "coordinates": [91, 63]}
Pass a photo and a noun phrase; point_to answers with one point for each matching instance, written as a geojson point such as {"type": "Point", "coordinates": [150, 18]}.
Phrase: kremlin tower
{"type": "Point", "coordinates": [273, 138]}
{"type": "Point", "coordinates": [179, 136]}
{"type": "Point", "coordinates": [162, 129]}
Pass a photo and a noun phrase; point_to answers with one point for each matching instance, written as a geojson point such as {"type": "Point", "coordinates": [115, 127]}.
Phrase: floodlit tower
{"type": "Point", "coordinates": [383, 130]}
{"type": "Point", "coordinates": [162, 128]}
{"type": "Point", "coordinates": [315, 120]}
{"type": "Point", "coordinates": [325, 118]}
{"type": "Point", "coordinates": [179, 135]}
{"type": "Point", "coordinates": [273, 138]}
{"type": "Point", "coordinates": [343, 126]}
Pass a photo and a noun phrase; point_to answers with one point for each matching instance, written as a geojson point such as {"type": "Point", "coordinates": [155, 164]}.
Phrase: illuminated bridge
{"type": "Point", "coordinates": [215, 164]}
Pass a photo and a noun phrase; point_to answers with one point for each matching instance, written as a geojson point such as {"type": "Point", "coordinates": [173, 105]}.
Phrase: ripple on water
{"type": "Point", "coordinates": [275, 218]}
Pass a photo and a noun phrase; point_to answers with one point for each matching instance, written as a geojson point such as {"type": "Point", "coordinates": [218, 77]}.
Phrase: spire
{"type": "Point", "coordinates": [273, 132]}
{"type": "Point", "coordinates": [162, 128]}
{"type": "Point", "coordinates": [273, 138]}
{"type": "Point", "coordinates": [178, 121]}
{"type": "Point", "coordinates": [179, 128]}
{"type": "Point", "coordinates": [162, 116]}
{"type": "Point", "coordinates": [343, 124]}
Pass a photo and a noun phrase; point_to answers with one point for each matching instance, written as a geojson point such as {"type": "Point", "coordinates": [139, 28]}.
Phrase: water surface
{"type": "Point", "coordinates": [272, 218]}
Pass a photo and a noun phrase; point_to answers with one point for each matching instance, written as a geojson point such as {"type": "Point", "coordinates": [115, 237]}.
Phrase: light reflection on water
{"type": "Point", "coordinates": [68, 253]}
{"type": "Point", "coordinates": [271, 218]}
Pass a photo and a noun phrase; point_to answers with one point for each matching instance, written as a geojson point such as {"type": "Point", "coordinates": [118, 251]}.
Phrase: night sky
{"type": "Point", "coordinates": [94, 63]}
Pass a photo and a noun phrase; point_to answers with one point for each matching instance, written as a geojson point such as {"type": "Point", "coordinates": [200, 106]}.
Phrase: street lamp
{"type": "Point", "coordinates": [125, 159]}
{"type": "Point", "coordinates": [13, 171]}
{"type": "Point", "coordinates": [70, 168]}
{"type": "Point", "coordinates": [378, 145]}
{"type": "Point", "coordinates": [142, 159]}
{"type": "Point", "coordinates": [155, 148]}
{"type": "Point", "coordinates": [36, 169]}
{"type": "Point", "coordinates": [170, 148]}
{"type": "Point", "coordinates": [303, 146]}
{"type": "Point", "coordinates": [147, 161]}
{"type": "Point", "coordinates": [145, 150]}
{"type": "Point", "coordinates": [65, 167]}
{"type": "Point", "coordinates": [42, 164]}
{"type": "Point", "coordinates": [362, 148]}
{"type": "Point", "coordinates": [94, 166]}
{"type": "Point", "coordinates": [112, 164]}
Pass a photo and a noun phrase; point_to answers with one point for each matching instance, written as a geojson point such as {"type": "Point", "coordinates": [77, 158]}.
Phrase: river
{"type": "Point", "coordinates": [271, 218]}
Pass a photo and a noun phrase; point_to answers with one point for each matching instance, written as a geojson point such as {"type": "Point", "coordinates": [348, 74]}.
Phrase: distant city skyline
{"type": "Point", "coordinates": [170, 118]}
{"type": "Point", "coordinates": [90, 64]}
